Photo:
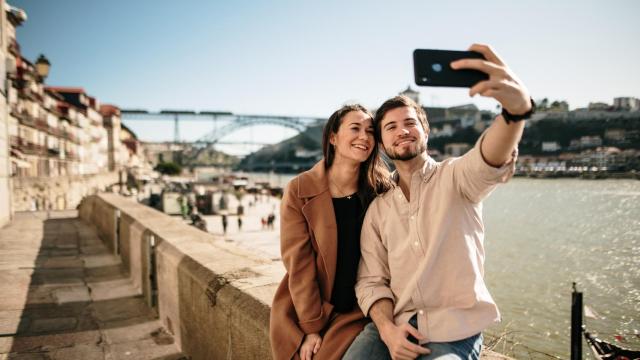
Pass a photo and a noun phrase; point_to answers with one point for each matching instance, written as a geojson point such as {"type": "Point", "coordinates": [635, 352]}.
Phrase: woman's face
{"type": "Point", "coordinates": [354, 140]}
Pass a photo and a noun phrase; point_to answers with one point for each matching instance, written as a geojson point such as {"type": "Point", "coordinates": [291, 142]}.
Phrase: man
{"type": "Point", "coordinates": [421, 273]}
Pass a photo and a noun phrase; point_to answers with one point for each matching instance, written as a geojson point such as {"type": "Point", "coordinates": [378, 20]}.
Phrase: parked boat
{"type": "Point", "coordinates": [601, 349]}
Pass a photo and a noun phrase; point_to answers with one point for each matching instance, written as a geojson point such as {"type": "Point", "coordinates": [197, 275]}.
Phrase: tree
{"type": "Point", "coordinates": [168, 168]}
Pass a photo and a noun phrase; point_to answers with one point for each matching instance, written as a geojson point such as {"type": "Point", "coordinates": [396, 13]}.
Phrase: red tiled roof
{"type": "Point", "coordinates": [109, 110]}
{"type": "Point", "coordinates": [21, 59]}
{"type": "Point", "coordinates": [124, 128]}
{"type": "Point", "coordinates": [54, 94]}
{"type": "Point", "coordinates": [66, 89]}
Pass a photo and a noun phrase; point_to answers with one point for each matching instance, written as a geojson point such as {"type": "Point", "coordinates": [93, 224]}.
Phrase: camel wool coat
{"type": "Point", "coordinates": [308, 241]}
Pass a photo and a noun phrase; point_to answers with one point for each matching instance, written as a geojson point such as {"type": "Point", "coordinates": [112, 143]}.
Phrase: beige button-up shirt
{"type": "Point", "coordinates": [427, 254]}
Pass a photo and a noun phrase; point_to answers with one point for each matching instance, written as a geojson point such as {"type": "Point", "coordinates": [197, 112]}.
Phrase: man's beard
{"type": "Point", "coordinates": [408, 155]}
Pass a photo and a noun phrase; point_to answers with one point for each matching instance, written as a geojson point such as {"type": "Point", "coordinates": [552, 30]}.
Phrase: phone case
{"type": "Point", "coordinates": [432, 68]}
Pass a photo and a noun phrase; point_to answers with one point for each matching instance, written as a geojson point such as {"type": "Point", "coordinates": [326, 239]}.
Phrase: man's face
{"type": "Point", "coordinates": [403, 137]}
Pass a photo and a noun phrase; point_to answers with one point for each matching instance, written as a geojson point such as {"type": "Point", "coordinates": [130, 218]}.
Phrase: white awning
{"type": "Point", "coordinates": [20, 163]}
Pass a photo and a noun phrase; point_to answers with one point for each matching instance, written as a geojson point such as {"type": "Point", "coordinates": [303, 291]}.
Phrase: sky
{"type": "Point", "coordinates": [307, 58]}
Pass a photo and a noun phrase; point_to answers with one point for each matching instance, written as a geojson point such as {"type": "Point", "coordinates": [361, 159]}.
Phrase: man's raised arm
{"type": "Point", "coordinates": [502, 137]}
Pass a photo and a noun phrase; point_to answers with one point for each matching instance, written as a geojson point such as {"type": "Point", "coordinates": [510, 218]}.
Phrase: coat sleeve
{"type": "Point", "coordinates": [298, 258]}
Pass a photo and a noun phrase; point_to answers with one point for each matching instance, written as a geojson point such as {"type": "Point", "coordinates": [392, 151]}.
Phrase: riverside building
{"type": "Point", "coordinates": [63, 144]}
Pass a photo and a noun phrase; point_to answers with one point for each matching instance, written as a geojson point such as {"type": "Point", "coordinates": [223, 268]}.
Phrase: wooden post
{"type": "Point", "coordinates": [576, 324]}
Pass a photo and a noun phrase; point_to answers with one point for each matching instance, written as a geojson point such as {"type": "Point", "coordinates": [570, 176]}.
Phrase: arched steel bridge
{"type": "Point", "coordinates": [231, 122]}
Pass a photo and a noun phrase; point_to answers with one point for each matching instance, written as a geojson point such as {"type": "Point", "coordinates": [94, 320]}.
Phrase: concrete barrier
{"type": "Point", "coordinates": [212, 296]}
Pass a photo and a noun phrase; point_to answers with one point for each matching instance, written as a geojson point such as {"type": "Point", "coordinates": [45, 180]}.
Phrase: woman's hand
{"type": "Point", "coordinates": [310, 346]}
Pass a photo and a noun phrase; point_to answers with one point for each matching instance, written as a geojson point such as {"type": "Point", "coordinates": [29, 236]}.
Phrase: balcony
{"type": "Point", "coordinates": [27, 147]}
{"type": "Point", "coordinates": [52, 152]}
{"type": "Point", "coordinates": [41, 124]}
{"type": "Point", "coordinates": [72, 156]}
{"type": "Point", "coordinates": [54, 131]}
{"type": "Point", "coordinates": [69, 136]}
{"type": "Point", "coordinates": [14, 141]}
{"type": "Point", "coordinates": [14, 47]}
{"type": "Point", "coordinates": [96, 122]}
{"type": "Point", "coordinates": [24, 118]}
{"type": "Point", "coordinates": [27, 93]}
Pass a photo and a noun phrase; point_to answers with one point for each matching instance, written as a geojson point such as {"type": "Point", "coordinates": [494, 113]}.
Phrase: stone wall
{"type": "Point", "coordinates": [57, 193]}
{"type": "Point", "coordinates": [212, 296]}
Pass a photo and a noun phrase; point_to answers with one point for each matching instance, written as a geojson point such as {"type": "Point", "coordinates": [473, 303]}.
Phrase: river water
{"type": "Point", "coordinates": [543, 234]}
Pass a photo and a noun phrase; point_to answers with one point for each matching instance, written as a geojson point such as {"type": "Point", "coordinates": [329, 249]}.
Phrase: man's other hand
{"type": "Point", "coordinates": [400, 348]}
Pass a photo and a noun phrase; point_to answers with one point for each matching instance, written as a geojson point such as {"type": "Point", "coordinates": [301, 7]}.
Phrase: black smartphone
{"type": "Point", "coordinates": [432, 68]}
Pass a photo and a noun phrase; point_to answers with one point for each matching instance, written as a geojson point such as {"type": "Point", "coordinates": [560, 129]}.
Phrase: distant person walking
{"type": "Point", "coordinates": [239, 223]}
{"type": "Point", "coordinates": [270, 220]}
{"type": "Point", "coordinates": [224, 224]}
{"type": "Point", "coordinates": [197, 220]}
{"type": "Point", "coordinates": [184, 208]}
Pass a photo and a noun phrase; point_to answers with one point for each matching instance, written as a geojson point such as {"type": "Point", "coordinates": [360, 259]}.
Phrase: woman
{"type": "Point", "coordinates": [314, 312]}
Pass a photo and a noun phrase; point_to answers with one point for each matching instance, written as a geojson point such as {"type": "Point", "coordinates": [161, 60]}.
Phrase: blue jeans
{"type": "Point", "coordinates": [368, 345]}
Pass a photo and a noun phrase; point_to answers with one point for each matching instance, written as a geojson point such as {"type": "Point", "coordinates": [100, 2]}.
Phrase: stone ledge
{"type": "Point", "coordinates": [213, 297]}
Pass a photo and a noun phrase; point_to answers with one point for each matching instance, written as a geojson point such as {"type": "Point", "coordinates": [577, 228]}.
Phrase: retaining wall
{"type": "Point", "coordinates": [212, 296]}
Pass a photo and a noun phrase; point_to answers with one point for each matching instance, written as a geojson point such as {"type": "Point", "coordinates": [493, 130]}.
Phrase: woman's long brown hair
{"type": "Point", "coordinates": [373, 175]}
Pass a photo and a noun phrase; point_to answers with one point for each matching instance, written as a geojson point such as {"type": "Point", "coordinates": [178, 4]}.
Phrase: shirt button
{"type": "Point", "coordinates": [412, 217]}
{"type": "Point", "coordinates": [421, 312]}
{"type": "Point", "coordinates": [415, 243]}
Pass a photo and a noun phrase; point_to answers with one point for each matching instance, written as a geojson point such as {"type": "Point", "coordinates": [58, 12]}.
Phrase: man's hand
{"type": "Point", "coordinates": [310, 346]}
{"type": "Point", "coordinates": [395, 337]}
{"type": "Point", "coordinates": [503, 85]}
{"type": "Point", "coordinates": [501, 138]}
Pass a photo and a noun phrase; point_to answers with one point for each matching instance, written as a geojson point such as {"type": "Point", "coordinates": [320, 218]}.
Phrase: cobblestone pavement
{"type": "Point", "coordinates": [64, 296]}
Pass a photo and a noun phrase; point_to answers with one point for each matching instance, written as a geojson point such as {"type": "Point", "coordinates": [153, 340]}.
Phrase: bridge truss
{"type": "Point", "coordinates": [231, 122]}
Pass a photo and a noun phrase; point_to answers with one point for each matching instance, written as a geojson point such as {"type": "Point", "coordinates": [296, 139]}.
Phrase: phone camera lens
{"type": "Point", "coordinates": [436, 67]}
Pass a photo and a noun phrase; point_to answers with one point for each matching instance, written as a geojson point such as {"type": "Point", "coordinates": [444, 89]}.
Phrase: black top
{"type": "Point", "coordinates": [349, 218]}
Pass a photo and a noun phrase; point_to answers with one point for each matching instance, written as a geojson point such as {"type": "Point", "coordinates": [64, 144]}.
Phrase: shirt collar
{"type": "Point", "coordinates": [425, 172]}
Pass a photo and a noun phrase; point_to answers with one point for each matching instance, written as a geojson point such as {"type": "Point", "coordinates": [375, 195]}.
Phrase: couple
{"type": "Point", "coordinates": [414, 263]}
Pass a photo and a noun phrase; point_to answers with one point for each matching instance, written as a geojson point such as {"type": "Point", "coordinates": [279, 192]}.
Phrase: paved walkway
{"type": "Point", "coordinates": [253, 236]}
{"type": "Point", "coordinates": [63, 296]}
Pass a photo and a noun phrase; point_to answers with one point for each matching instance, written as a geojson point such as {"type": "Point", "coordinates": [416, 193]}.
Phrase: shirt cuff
{"type": "Point", "coordinates": [374, 295]}
{"type": "Point", "coordinates": [489, 172]}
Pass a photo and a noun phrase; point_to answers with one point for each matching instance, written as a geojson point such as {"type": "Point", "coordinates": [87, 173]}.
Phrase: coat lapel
{"type": "Point", "coordinates": [318, 211]}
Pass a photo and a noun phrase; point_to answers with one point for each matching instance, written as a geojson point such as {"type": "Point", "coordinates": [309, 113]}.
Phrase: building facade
{"type": "Point", "coordinates": [10, 18]}
{"type": "Point", "coordinates": [59, 144]}
{"type": "Point", "coordinates": [5, 186]}
{"type": "Point", "coordinates": [626, 103]}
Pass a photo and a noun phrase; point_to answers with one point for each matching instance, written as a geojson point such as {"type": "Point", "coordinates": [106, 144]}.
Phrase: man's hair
{"type": "Point", "coordinates": [394, 103]}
